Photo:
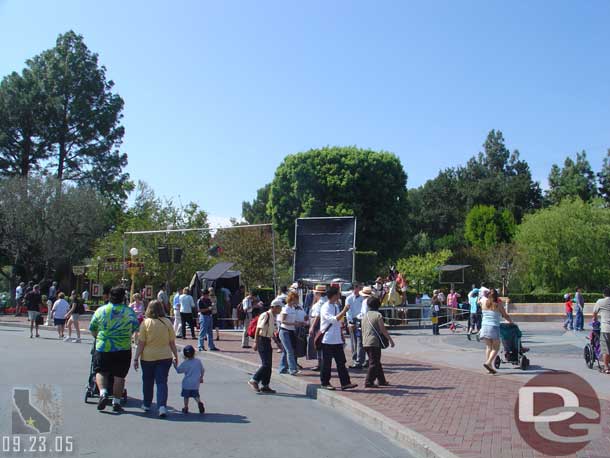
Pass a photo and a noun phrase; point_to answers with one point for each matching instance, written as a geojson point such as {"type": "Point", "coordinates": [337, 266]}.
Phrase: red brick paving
{"type": "Point", "coordinates": [468, 413]}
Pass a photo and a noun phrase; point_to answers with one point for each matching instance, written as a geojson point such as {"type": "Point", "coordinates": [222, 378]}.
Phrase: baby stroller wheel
{"type": "Point", "coordinates": [88, 395]}
{"type": "Point", "coordinates": [497, 362]}
{"type": "Point", "coordinates": [525, 363]}
{"type": "Point", "coordinates": [589, 358]}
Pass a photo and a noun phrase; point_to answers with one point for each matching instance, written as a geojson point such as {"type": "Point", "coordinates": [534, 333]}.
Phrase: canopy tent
{"type": "Point", "coordinates": [218, 277]}
{"type": "Point", "coordinates": [453, 273]}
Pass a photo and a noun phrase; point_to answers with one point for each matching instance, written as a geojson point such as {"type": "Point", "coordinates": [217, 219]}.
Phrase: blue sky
{"type": "Point", "coordinates": [217, 93]}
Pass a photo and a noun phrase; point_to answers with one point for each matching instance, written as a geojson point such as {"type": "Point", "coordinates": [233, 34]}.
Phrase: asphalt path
{"type": "Point", "coordinates": [237, 423]}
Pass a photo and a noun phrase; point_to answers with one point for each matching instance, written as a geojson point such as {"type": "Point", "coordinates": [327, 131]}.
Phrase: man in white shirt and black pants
{"type": "Point", "coordinates": [354, 315]}
{"type": "Point", "coordinates": [331, 316]}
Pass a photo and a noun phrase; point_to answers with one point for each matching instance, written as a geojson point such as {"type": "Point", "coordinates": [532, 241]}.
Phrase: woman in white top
{"type": "Point", "coordinates": [59, 311]}
{"type": "Point", "coordinates": [331, 317]}
{"type": "Point", "coordinates": [288, 322]}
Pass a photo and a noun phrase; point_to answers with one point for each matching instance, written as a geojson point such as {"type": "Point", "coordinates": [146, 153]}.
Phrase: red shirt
{"type": "Point", "coordinates": [569, 306]}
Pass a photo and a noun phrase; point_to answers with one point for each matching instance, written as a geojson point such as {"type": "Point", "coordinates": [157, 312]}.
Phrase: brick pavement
{"type": "Point", "coordinates": [467, 412]}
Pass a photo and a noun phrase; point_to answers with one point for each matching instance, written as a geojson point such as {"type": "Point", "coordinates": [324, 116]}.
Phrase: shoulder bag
{"type": "Point", "coordinates": [383, 340]}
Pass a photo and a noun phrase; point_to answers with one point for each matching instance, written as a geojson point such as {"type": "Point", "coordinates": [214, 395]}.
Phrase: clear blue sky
{"type": "Point", "coordinates": [217, 93]}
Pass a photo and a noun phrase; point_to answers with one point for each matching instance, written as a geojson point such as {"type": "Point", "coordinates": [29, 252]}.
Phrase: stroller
{"type": "Point", "coordinates": [514, 352]}
{"type": "Point", "coordinates": [592, 351]}
{"type": "Point", "coordinates": [92, 390]}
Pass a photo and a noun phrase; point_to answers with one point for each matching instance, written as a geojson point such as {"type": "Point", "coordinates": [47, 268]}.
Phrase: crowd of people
{"type": "Point", "coordinates": [310, 324]}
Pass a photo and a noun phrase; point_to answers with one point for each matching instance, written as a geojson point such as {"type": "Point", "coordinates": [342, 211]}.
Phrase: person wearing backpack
{"type": "Point", "coordinates": [265, 327]}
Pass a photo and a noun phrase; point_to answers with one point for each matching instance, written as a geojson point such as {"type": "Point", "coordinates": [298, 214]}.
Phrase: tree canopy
{"type": "Point", "coordinates": [566, 245]}
{"type": "Point", "coordinates": [575, 179]}
{"type": "Point", "coordinates": [487, 226]}
{"type": "Point", "coordinates": [344, 181]}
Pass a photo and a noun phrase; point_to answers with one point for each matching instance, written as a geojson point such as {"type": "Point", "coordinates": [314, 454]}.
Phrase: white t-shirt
{"type": "Point", "coordinates": [329, 322]}
{"type": "Point", "coordinates": [60, 309]}
{"type": "Point", "coordinates": [602, 308]}
{"type": "Point", "coordinates": [290, 318]}
{"type": "Point", "coordinates": [301, 316]}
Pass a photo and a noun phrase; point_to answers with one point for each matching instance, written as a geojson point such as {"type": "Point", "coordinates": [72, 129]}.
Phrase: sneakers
{"type": "Point", "coordinates": [67, 339]}
{"type": "Point", "coordinates": [254, 385]}
{"type": "Point", "coordinates": [77, 340]}
{"type": "Point", "coordinates": [214, 349]}
{"type": "Point", "coordinates": [370, 385]}
{"type": "Point", "coordinates": [316, 369]}
{"type": "Point", "coordinates": [201, 349]}
{"type": "Point", "coordinates": [103, 402]}
{"type": "Point", "coordinates": [295, 373]}
{"type": "Point", "coordinates": [349, 387]}
{"type": "Point", "coordinates": [327, 387]}
{"type": "Point", "coordinates": [201, 407]}
{"type": "Point", "coordinates": [267, 390]}
{"type": "Point", "coordinates": [145, 408]}
{"type": "Point", "coordinates": [118, 408]}
{"type": "Point", "coordinates": [162, 412]}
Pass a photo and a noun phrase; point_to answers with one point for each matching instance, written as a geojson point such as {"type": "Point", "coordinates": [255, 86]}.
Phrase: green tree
{"type": "Point", "coordinates": [82, 117]}
{"type": "Point", "coordinates": [151, 213]}
{"type": "Point", "coordinates": [21, 102]}
{"type": "Point", "coordinates": [495, 177]}
{"type": "Point", "coordinates": [251, 249]}
{"type": "Point", "coordinates": [487, 226]}
{"type": "Point", "coordinates": [604, 179]}
{"type": "Point", "coordinates": [40, 231]}
{"type": "Point", "coordinates": [344, 181]}
{"type": "Point", "coordinates": [422, 270]}
{"type": "Point", "coordinates": [256, 212]}
{"type": "Point", "coordinates": [566, 245]}
{"type": "Point", "coordinates": [575, 179]}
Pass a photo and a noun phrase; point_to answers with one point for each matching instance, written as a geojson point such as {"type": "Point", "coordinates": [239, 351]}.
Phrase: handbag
{"type": "Point", "coordinates": [39, 320]}
{"type": "Point", "coordinates": [317, 342]}
{"type": "Point", "coordinates": [383, 340]}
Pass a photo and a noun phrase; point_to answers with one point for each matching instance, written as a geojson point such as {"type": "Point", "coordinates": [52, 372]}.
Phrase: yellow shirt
{"type": "Point", "coordinates": [156, 334]}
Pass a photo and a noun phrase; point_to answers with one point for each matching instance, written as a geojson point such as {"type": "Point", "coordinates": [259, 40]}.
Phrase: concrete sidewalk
{"type": "Point", "coordinates": [465, 412]}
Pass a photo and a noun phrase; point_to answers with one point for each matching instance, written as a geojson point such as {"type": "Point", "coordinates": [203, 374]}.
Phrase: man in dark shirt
{"type": "Point", "coordinates": [33, 301]}
{"type": "Point", "coordinates": [205, 321]}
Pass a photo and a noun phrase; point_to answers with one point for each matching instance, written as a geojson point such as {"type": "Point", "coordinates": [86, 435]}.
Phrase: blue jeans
{"type": "Point", "coordinates": [205, 329]}
{"type": "Point", "coordinates": [155, 372]}
{"type": "Point", "coordinates": [580, 320]}
{"type": "Point", "coordinates": [288, 339]}
{"type": "Point", "coordinates": [569, 323]}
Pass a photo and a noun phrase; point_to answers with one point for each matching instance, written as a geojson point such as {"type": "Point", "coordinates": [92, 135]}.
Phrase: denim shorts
{"type": "Point", "coordinates": [490, 332]}
{"type": "Point", "coordinates": [189, 393]}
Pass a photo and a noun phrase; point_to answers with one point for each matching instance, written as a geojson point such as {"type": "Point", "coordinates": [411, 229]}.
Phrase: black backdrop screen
{"type": "Point", "coordinates": [324, 249]}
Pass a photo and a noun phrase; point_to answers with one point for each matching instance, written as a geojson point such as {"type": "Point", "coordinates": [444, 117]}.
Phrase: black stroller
{"type": "Point", "coordinates": [514, 353]}
{"type": "Point", "coordinates": [92, 391]}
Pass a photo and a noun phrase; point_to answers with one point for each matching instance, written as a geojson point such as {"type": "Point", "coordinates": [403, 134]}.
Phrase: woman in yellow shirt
{"type": "Point", "coordinates": [156, 346]}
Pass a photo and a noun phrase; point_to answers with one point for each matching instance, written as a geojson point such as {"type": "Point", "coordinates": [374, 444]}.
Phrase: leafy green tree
{"type": "Point", "coordinates": [487, 226]}
{"type": "Point", "coordinates": [251, 249]}
{"type": "Point", "coordinates": [40, 231]}
{"type": "Point", "coordinates": [151, 213]}
{"type": "Point", "coordinates": [575, 179]}
{"type": "Point", "coordinates": [344, 181]}
{"type": "Point", "coordinates": [604, 179]}
{"type": "Point", "coordinates": [422, 270]}
{"type": "Point", "coordinates": [21, 102]}
{"type": "Point", "coordinates": [82, 117]}
{"type": "Point", "coordinates": [495, 177]}
{"type": "Point", "coordinates": [256, 212]}
{"type": "Point", "coordinates": [566, 245]}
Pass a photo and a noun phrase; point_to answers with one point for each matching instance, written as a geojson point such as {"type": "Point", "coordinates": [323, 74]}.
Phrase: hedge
{"type": "Point", "coordinates": [549, 298]}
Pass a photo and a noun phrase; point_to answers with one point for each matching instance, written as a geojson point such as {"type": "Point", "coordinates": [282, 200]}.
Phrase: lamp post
{"type": "Point", "coordinates": [132, 270]}
{"type": "Point", "coordinates": [99, 260]}
{"type": "Point", "coordinates": [503, 272]}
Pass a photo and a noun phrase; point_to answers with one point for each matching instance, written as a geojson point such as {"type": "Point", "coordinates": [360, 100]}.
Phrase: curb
{"type": "Point", "coordinates": [412, 441]}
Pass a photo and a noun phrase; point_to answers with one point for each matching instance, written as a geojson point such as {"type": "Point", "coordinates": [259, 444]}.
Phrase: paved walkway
{"type": "Point", "coordinates": [467, 412]}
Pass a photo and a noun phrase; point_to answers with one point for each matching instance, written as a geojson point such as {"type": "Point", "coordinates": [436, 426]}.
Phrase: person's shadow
{"type": "Point", "coordinates": [192, 417]}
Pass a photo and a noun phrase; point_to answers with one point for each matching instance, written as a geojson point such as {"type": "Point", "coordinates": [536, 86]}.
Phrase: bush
{"type": "Point", "coordinates": [549, 298]}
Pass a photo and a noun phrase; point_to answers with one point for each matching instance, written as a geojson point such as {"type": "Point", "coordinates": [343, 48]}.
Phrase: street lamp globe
{"type": "Point", "coordinates": [133, 252]}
